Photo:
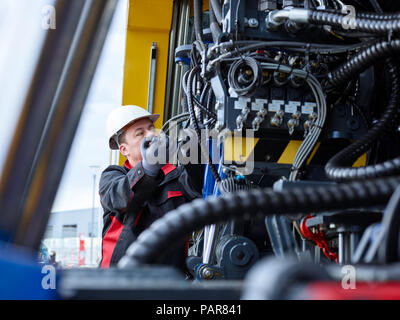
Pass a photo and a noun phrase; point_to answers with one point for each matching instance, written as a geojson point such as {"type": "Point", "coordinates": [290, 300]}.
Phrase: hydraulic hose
{"type": "Point", "coordinates": [338, 168]}
{"type": "Point", "coordinates": [378, 16]}
{"type": "Point", "coordinates": [357, 23]}
{"type": "Point", "coordinates": [376, 6]}
{"type": "Point", "coordinates": [214, 25]}
{"type": "Point", "coordinates": [233, 76]}
{"type": "Point", "coordinates": [369, 15]}
{"type": "Point", "coordinates": [189, 101]}
{"type": "Point", "coordinates": [362, 60]}
{"type": "Point", "coordinates": [198, 19]}
{"type": "Point", "coordinates": [254, 203]}
{"type": "Point", "coordinates": [215, 5]}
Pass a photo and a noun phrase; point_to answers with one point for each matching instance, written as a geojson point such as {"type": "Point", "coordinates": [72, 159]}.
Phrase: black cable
{"type": "Point", "coordinates": [233, 77]}
{"type": "Point", "coordinates": [256, 203]}
{"type": "Point", "coordinates": [338, 168]}
{"type": "Point", "coordinates": [363, 60]}
{"type": "Point", "coordinates": [210, 100]}
{"type": "Point", "coordinates": [204, 109]}
{"type": "Point", "coordinates": [376, 6]}
{"type": "Point", "coordinates": [294, 46]}
{"type": "Point", "coordinates": [362, 114]}
{"type": "Point", "coordinates": [195, 123]}
{"type": "Point", "coordinates": [204, 93]}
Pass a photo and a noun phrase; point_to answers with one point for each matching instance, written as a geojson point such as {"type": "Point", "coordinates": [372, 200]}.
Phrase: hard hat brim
{"type": "Point", "coordinates": [114, 144]}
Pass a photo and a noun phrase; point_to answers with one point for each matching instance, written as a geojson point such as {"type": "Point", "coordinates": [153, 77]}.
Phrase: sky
{"type": "Point", "coordinates": [23, 18]}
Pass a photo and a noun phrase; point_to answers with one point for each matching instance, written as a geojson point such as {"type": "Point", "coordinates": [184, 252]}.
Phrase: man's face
{"type": "Point", "coordinates": [134, 135]}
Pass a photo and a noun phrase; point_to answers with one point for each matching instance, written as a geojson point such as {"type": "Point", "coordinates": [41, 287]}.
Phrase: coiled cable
{"type": "Point", "coordinates": [239, 69]}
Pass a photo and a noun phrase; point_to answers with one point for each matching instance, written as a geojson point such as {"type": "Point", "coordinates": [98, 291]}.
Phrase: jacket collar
{"type": "Point", "coordinates": [127, 165]}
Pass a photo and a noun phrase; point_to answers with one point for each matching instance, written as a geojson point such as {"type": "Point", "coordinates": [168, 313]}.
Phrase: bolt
{"type": "Point", "coordinates": [207, 273]}
{"type": "Point", "coordinates": [253, 23]}
{"type": "Point", "coordinates": [275, 122]}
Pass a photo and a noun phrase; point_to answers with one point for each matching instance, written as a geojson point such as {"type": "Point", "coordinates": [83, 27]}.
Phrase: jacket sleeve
{"type": "Point", "coordinates": [191, 180]}
{"type": "Point", "coordinates": [120, 190]}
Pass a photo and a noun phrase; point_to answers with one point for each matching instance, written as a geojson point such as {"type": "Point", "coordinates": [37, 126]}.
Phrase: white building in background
{"type": "Point", "coordinates": [74, 237]}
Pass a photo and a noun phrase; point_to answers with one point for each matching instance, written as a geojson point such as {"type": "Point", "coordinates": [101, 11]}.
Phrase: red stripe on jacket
{"type": "Point", "coordinates": [172, 194]}
{"type": "Point", "coordinates": [168, 168]}
{"type": "Point", "coordinates": [110, 240]}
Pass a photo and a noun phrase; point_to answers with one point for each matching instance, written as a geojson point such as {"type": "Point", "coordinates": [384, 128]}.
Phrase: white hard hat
{"type": "Point", "coordinates": [123, 116]}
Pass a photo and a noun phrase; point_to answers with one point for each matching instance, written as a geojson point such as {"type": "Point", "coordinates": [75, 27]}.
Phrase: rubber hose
{"type": "Point", "coordinates": [214, 26]}
{"type": "Point", "coordinates": [215, 5]}
{"type": "Point", "coordinates": [256, 203]}
{"type": "Point", "coordinates": [230, 185]}
{"type": "Point", "coordinates": [204, 109]}
{"type": "Point", "coordinates": [376, 6]}
{"type": "Point", "coordinates": [198, 19]}
{"type": "Point", "coordinates": [363, 60]}
{"type": "Point", "coordinates": [360, 24]}
{"type": "Point", "coordinates": [213, 169]}
{"type": "Point", "coordinates": [233, 76]}
{"type": "Point", "coordinates": [338, 168]}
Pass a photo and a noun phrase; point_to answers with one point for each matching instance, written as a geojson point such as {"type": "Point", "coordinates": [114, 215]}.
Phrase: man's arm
{"type": "Point", "coordinates": [120, 190]}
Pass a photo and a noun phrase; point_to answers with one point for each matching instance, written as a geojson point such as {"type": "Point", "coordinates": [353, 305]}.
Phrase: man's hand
{"type": "Point", "coordinates": [155, 153]}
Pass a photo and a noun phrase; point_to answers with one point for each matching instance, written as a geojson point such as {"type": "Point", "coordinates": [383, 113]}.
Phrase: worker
{"type": "Point", "coordinates": [134, 195]}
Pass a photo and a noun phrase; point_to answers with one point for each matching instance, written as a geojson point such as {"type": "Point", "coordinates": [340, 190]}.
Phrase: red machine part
{"type": "Point", "coordinates": [319, 238]}
{"type": "Point", "coordinates": [362, 291]}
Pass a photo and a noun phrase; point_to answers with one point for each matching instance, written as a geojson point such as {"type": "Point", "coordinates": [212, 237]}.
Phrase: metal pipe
{"type": "Point", "coordinates": [178, 70]}
{"type": "Point", "coordinates": [168, 106]}
{"type": "Point", "coordinates": [17, 172]}
{"type": "Point", "coordinates": [344, 247]}
{"type": "Point", "coordinates": [152, 77]}
{"type": "Point", "coordinates": [62, 122]}
{"type": "Point", "coordinates": [181, 68]}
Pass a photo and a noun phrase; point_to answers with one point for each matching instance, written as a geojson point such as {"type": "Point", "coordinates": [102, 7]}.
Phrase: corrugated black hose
{"type": "Point", "coordinates": [362, 24]}
{"type": "Point", "coordinates": [255, 203]}
{"type": "Point", "coordinates": [363, 60]}
{"type": "Point", "coordinates": [339, 167]}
